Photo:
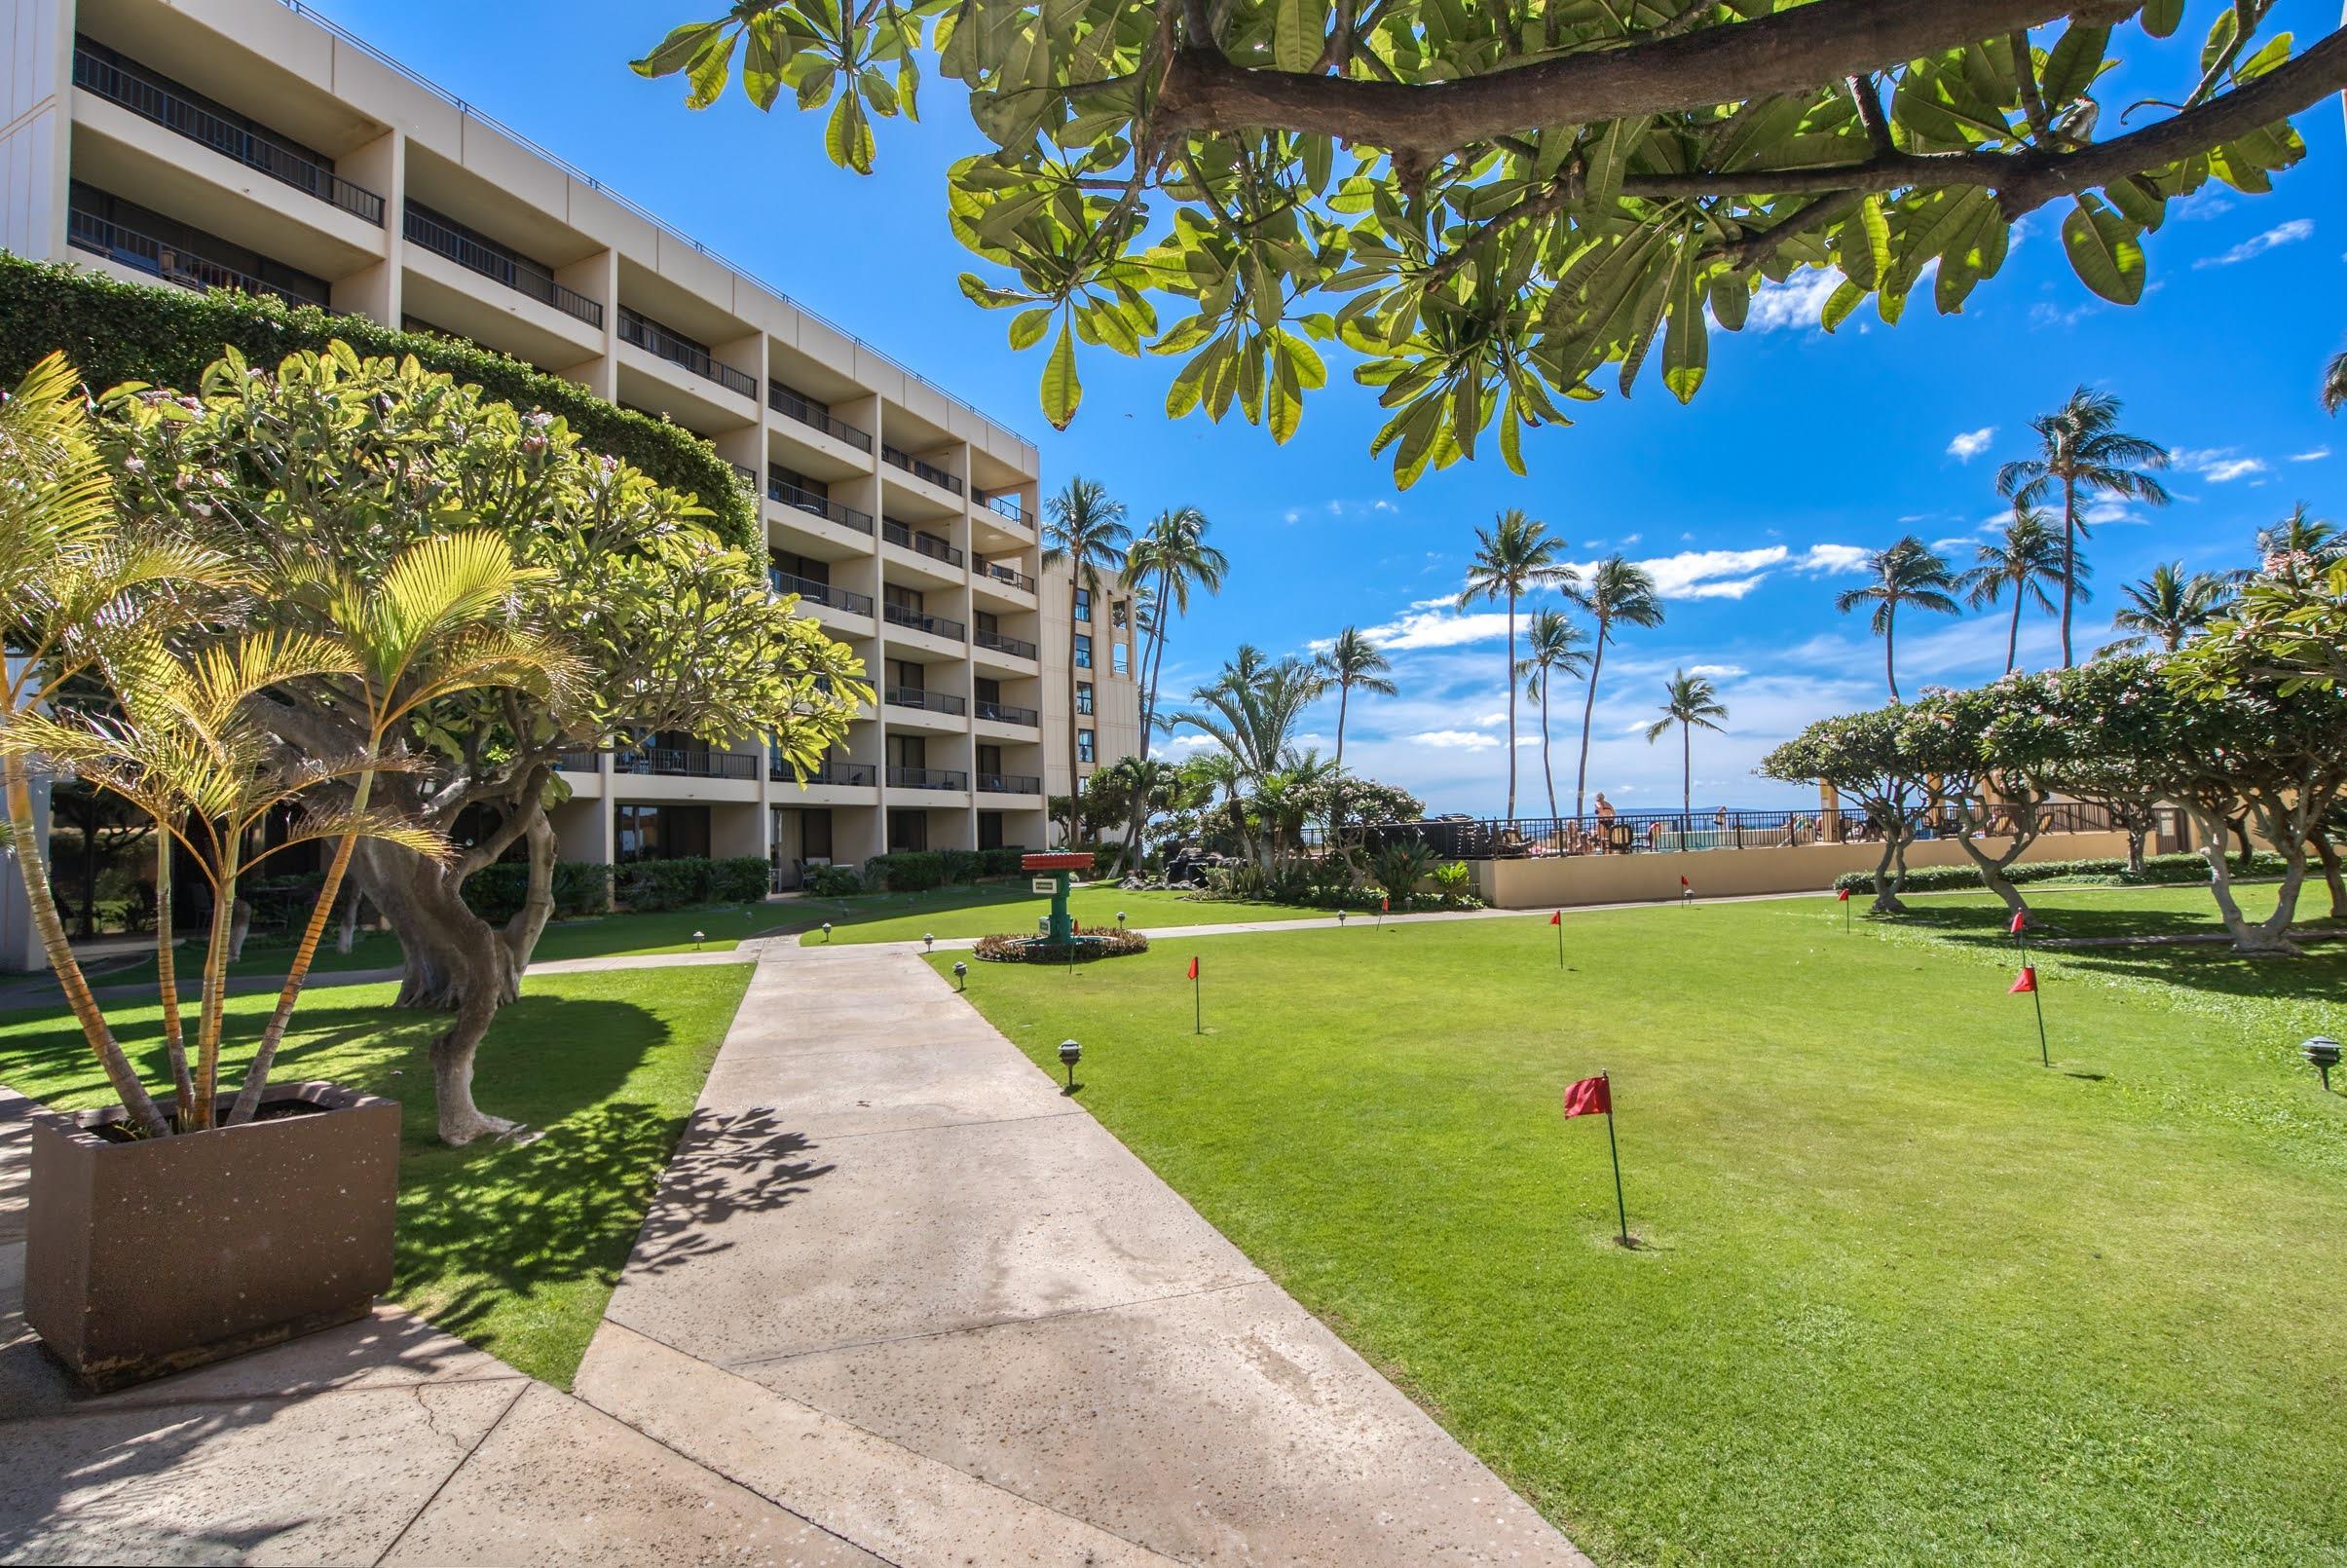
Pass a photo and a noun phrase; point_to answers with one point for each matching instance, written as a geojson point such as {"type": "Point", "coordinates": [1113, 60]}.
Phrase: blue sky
{"type": "Point", "coordinates": [1801, 450]}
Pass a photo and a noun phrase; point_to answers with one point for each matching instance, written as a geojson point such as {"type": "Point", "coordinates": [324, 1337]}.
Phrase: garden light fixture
{"type": "Point", "coordinates": [2322, 1054]}
{"type": "Point", "coordinates": [928, 941]}
{"type": "Point", "coordinates": [696, 941]}
{"type": "Point", "coordinates": [1071, 1054]}
{"type": "Point", "coordinates": [961, 975]}
{"type": "Point", "coordinates": [826, 930]}
{"type": "Point", "coordinates": [1120, 919]}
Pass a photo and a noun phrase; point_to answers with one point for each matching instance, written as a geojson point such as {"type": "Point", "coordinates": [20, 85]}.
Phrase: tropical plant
{"type": "Point", "coordinates": [1489, 206]}
{"type": "Point", "coordinates": [2082, 451]}
{"type": "Point", "coordinates": [2335, 384]}
{"type": "Point", "coordinates": [1906, 572]}
{"type": "Point", "coordinates": [1085, 532]}
{"type": "Point", "coordinates": [1400, 865]}
{"type": "Point", "coordinates": [1165, 562]}
{"type": "Point", "coordinates": [1514, 556]}
{"type": "Point", "coordinates": [1143, 783]}
{"type": "Point", "coordinates": [1350, 663]}
{"type": "Point", "coordinates": [2166, 608]}
{"type": "Point", "coordinates": [2298, 548]}
{"type": "Point", "coordinates": [2023, 561]}
{"type": "Point", "coordinates": [1862, 757]}
{"type": "Point", "coordinates": [1254, 709]}
{"type": "Point", "coordinates": [1618, 593]}
{"type": "Point", "coordinates": [1553, 653]}
{"type": "Point", "coordinates": [1692, 703]}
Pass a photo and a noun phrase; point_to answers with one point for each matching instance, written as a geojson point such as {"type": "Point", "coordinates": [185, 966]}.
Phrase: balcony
{"type": "Point", "coordinates": [850, 774]}
{"type": "Point", "coordinates": [790, 405]}
{"type": "Point", "coordinates": [577, 761]}
{"type": "Point", "coordinates": [1009, 784]}
{"type": "Point", "coordinates": [661, 343]}
{"type": "Point", "coordinates": [927, 778]}
{"type": "Point", "coordinates": [171, 262]}
{"type": "Point", "coordinates": [175, 109]}
{"type": "Point", "coordinates": [898, 457]}
{"type": "Point", "coordinates": [806, 501]}
{"type": "Point", "coordinates": [672, 764]}
{"type": "Point", "coordinates": [1008, 575]}
{"type": "Point", "coordinates": [1007, 507]}
{"type": "Point", "coordinates": [914, 696]}
{"type": "Point", "coordinates": [1003, 713]}
{"type": "Point", "coordinates": [1017, 648]}
{"type": "Point", "coordinates": [517, 273]}
{"type": "Point", "coordinates": [929, 544]}
{"type": "Point", "coordinates": [810, 591]}
{"type": "Point", "coordinates": [914, 620]}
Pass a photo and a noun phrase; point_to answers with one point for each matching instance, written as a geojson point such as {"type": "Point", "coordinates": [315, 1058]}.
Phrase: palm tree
{"type": "Point", "coordinates": [1511, 556]}
{"type": "Point", "coordinates": [2166, 608]}
{"type": "Point", "coordinates": [2335, 384]}
{"type": "Point", "coordinates": [2298, 548]}
{"type": "Point", "coordinates": [1691, 703]}
{"type": "Point", "coordinates": [1907, 573]}
{"type": "Point", "coordinates": [1170, 558]}
{"type": "Point", "coordinates": [1084, 530]}
{"type": "Point", "coordinates": [1143, 783]}
{"type": "Point", "coordinates": [1353, 660]}
{"type": "Point", "coordinates": [77, 586]}
{"type": "Point", "coordinates": [1618, 593]}
{"type": "Point", "coordinates": [2082, 448]}
{"type": "Point", "coordinates": [2024, 561]}
{"type": "Point", "coordinates": [1553, 652]}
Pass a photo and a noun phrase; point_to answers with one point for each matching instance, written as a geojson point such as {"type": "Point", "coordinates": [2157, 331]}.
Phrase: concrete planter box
{"type": "Point", "coordinates": [154, 1257]}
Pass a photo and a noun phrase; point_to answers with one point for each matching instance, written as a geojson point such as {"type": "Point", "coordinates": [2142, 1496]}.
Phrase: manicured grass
{"type": "Point", "coordinates": [516, 1247]}
{"type": "Point", "coordinates": [602, 937]}
{"type": "Point", "coordinates": [1903, 1295]}
{"type": "Point", "coordinates": [976, 911]}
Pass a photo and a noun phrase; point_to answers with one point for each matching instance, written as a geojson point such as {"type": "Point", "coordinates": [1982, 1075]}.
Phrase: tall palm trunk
{"type": "Point", "coordinates": [1511, 705]}
{"type": "Point", "coordinates": [1075, 783]}
{"type": "Point", "coordinates": [167, 970]}
{"type": "Point", "coordinates": [1686, 779]}
{"type": "Point", "coordinates": [214, 1012]}
{"type": "Point", "coordinates": [1588, 711]}
{"type": "Point", "coordinates": [1156, 660]}
{"type": "Point", "coordinates": [2069, 559]}
{"type": "Point", "coordinates": [1890, 643]}
{"type": "Point", "coordinates": [1546, 771]}
{"type": "Point", "coordinates": [41, 899]}
{"type": "Point", "coordinates": [2013, 633]}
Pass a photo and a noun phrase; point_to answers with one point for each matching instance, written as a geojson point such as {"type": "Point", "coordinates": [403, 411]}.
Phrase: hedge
{"type": "Point", "coordinates": [646, 885]}
{"type": "Point", "coordinates": [582, 887]}
{"type": "Point", "coordinates": [2178, 870]}
{"type": "Point", "coordinates": [916, 871]}
{"type": "Point", "coordinates": [115, 332]}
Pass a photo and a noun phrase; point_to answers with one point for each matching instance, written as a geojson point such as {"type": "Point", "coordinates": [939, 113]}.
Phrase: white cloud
{"type": "Point", "coordinates": [1823, 558]}
{"type": "Point", "coordinates": [1716, 672]}
{"type": "Point", "coordinates": [2257, 244]}
{"type": "Point", "coordinates": [1453, 739]}
{"type": "Point", "coordinates": [1969, 444]}
{"type": "Point", "coordinates": [1633, 538]}
{"type": "Point", "coordinates": [2047, 314]}
{"type": "Point", "coordinates": [1438, 628]}
{"type": "Point", "coordinates": [2232, 469]}
{"type": "Point", "coordinates": [1795, 304]}
{"type": "Point", "coordinates": [2315, 456]}
{"type": "Point", "coordinates": [1497, 716]}
{"type": "Point", "coordinates": [1713, 574]}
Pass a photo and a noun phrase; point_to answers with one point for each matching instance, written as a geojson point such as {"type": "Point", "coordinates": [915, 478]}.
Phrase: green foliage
{"type": "Point", "coordinates": [1006, 946]}
{"type": "Point", "coordinates": [582, 887]}
{"type": "Point", "coordinates": [833, 881]}
{"type": "Point", "coordinates": [917, 871]}
{"type": "Point", "coordinates": [2290, 625]}
{"type": "Point", "coordinates": [2186, 870]}
{"type": "Point", "coordinates": [1244, 188]}
{"type": "Point", "coordinates": [647, 885]}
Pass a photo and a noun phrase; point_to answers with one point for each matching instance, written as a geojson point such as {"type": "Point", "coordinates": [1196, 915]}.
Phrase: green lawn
{"type": "Point", "coordinates": [603, 937]}
{"type": "Point", "coordinates": [514, 1246]}
{"type": "Point", "coordinates": [1904, 1295]}
{"type": "Point", "coordinates": [976, 911]}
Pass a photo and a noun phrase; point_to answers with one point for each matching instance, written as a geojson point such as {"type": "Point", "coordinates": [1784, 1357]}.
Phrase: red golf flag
{"type": "Point", "coordinates": [1193, 974]}
{"type": "Point", "coordinates": [1588, 1097]}
{"type": "Point", "coordinates": [1683, 882]}
{"type": "Point", "coordinates": [2026, 983]}
{"type": "Point", "coordinates": [2021, 920]}
{"type": "Point", "coordinates": [1558, 918]}
{"type": "Point", "coordinates": [1384, 903]}
{"type": "Point", "coordinates": [1843, 895]}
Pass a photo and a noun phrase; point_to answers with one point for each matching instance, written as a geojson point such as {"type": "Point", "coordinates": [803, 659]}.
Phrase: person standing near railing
{"type": "Point", "coordinates": [1605, 824]}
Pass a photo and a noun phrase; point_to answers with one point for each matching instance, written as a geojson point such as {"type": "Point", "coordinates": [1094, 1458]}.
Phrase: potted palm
{"type": "Point", "coordinates": [172, 1229]}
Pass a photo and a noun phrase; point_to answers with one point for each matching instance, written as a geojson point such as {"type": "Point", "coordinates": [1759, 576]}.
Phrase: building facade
{"type": "Point", "coordinates": [247, 144]}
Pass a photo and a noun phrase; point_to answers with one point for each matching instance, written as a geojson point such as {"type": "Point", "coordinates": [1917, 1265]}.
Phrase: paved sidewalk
{"type": "Point", "coordinates": [898, 1284]}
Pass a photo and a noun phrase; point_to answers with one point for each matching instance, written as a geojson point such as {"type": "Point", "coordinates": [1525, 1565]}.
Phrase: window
{"type": "Point", "coordinates": [908, 831]}
{"type": "Point", "coordinates": [1083, 651]}
{"type": "Point", "coordinates": [903, 598]}
{"type": "Point", "coordinates": [1119, 657]}
{"type": "Point", "coordinates": [663, 833]}
{"type": "Point", "coordinates": [989, 760]}
{"type": "Point", "coordinates": [912, 677]}
{"type": "Point", "coordinates": [1084, 746]}
{"type": "Point", "coordinates": [1084, 697]}
{"type": "Point", "coordinates": [989, 830]}
{"type": "Point", "coordinates": [1083, 603]}
{"type": "Point", "coordinates": [907, 751]}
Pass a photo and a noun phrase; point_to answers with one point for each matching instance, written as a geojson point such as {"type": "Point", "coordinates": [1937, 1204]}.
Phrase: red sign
{"type": "Point", "coordinates": [1062, 860]}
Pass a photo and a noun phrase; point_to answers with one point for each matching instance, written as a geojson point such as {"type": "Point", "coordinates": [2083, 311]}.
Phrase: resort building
{"type": "Point", "coordinates": [249, 144]}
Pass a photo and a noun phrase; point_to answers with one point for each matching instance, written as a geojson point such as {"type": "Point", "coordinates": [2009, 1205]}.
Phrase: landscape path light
{"type": "Point", "coordinates": [2322, 1054]}
{"type": "Point", "coordinates": [826, 930]}
{"type": "Point", "coordinates": [1071, 1054]}
{"type": "Point", "coordinates": [1120, 919]}
{"type": "Point", "coordinates": [928, 941]}
{"type": "Point", "coordinates": [961, 975]}
{"type": "Point", "coordinates": [696, 941]}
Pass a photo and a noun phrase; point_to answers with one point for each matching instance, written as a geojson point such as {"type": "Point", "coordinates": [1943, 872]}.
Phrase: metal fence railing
{"type": "Point", "coordinates": [522, 275]}
{"type": "Point", "coordinates": [680, 351]}
{"type": "Point", "coordinates": [790, 405]}
{"type": "Point", "coordinates": [171, 262]}
{"type": "Point", "coordinates": [671, 762]}
{"type": "Point", "coordinates": [1625, 832]}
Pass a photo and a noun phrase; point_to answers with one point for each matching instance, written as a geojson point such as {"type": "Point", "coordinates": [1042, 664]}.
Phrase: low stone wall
{"type": "Point", "coordinates": [1552, 881]}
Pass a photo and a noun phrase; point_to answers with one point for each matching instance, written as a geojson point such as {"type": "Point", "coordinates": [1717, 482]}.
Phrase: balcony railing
{"type": "Point", "coordinates": [673, 763]}
{"type": "Point", "coordinates": [1007, 507]}
{"type": "Point", "coordinates": [927, 778]}
{"type": "Point", "coordinates": [657, 340]}
{"type": "Point", "coordinates": [898, 457]}
{"type": "Point", "coordinates": [1010, 576]}
{"type": "Point", "coordinates": [1016, 647]}
{"type": "Point", "coordinates": [577, 761]}
{"type": "Point", "coordinates": [914, 620]}
{"type": "Point", "coordinates": [169, 262]}
{"type": "Point", "coordinates": [853, 774]}
{"type": "Point", "coordinates": [1009, 784]}
{"type": "Point", "coordinates": [1623, 832]}
{"type": "Point", "coordinates": [822, 593]}
{"type": "Point", "coordinates": [152, 99]}
{"type": "Point", "coordinates": [806, 501]}
{"type": "Point", "coordinates": [914, 696]}
{"type": "Point", "coordinates": [790, 405]}
{"type": "Point", "coordinates": [522, 277]}
{"type": "Point", "coordinates": [1003, 713]}
{"type": "Point", "coordinates": [929, 544]}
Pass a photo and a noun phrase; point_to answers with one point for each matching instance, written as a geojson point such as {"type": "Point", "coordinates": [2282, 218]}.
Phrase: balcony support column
{"type": "Point", "coordinates": [374, 290]}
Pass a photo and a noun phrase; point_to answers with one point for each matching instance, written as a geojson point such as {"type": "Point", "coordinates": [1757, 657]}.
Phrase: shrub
{"type": "Point", "coordinates": [2189, 870]}
{"type": "Point", "coordinates": [906, 870]}
{"type": "Point", "coordinates": [582, 887]}
{"type": "Point", "coordinates": [648, 886]}
{"type": "Point", "coordinates": [1011, 947]}
{"type": "Point", "coordinates": [115, 332]}
{"type": "Point", "coordinates": [999, 862]}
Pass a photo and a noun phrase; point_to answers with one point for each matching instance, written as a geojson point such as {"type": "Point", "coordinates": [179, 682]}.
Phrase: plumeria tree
{"type": "Point", "coordinates": [1491, 209]}
{"type": "Point", "coordinates": [1863, 759]}
{"type": "Point", "coordinates": [1959, 741]}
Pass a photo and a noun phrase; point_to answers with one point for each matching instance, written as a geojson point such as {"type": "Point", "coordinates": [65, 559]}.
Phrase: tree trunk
{"type": "Point", "coordinates": [529, 922]}
{"type": "Point", "coordinates": [1886, 885]}
{"type": "Point", "coordinates": [1548, 771]}
{"type": "Point", "coordinates": [1511, 705]}
{"type": "Point", "coordinates": [2135, 847]}
{"type": "Point", "coordinates": [167, 972]}
{"type": "Point", "coordinates": [347, 937]}
{"type": "Point", "coordinates": [1075, 783]}
{"type": "Point", "coordinates": [2266, 938]}
{"type": "Point", "coordinates": [2329, 855]}
{"type": "Point", "coordinates": [2013, 633]}
{"type": "Point", "coordinates": [43, 904]}
{"type": "Point", "coordinates": [1589, 710]}
{"type": "Point", "coordinates": [2069, 560]}
{"type": "Point", "coordinates": [1890, 654]}
{"type": "Point", "coordinates": [1686, 779]}
{"type": "Point", "coordinates": [239, 927]}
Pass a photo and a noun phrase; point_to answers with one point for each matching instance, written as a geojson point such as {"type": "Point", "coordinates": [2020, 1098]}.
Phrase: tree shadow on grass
{"type": "Point", "coordinates": [2320, 974]}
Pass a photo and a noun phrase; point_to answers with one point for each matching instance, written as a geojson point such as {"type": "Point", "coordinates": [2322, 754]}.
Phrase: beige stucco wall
{"type": "Point", "coordinates": [1545, 883]}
